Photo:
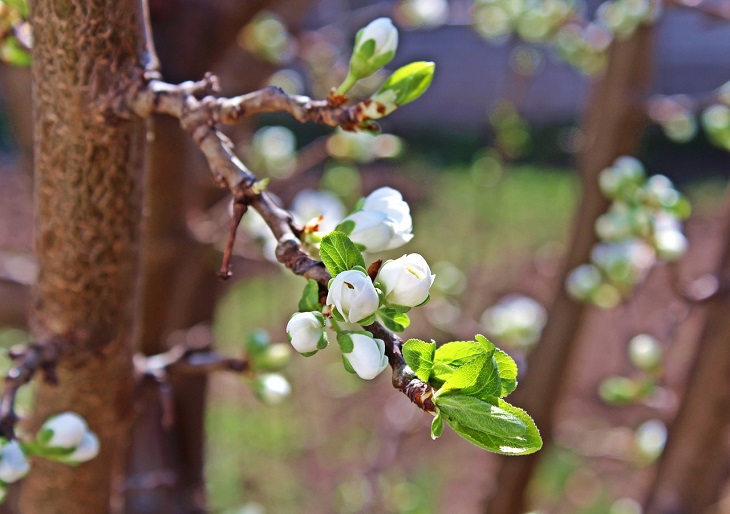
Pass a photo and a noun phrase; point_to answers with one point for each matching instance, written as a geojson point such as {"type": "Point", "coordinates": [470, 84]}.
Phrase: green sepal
{"type": "Point", "coordinates": [437, 425]}
{"type": "Point", "coordinates": [348, 366]}
{"type": "Point", "coordinates": [323, 342]}
{"type": "Point", "coordinates": [359, 204]}
{"type": "Point", "coordinates": [346, 344]}
{"type": "Point", "coordinates": [337, 315]}
{"type": "Point", "coordinates": [367, 321]}
{"type": "Point", "coordinates": [346, 227]}
{"type": "Point", "coordinates": [310, 297]}
{"type": "Point", "coordinates": [309, 354]}
{"type": "Point", "coordinates": [419, 357]}
{"type": "Point", "coordinates": [360, 268]}
{"type": "Point", "coordinates": [395, 321]}
{"type": "Point", "coordinates": [339, 254]}
{"type": "Point", "coordinates": [44, 436]}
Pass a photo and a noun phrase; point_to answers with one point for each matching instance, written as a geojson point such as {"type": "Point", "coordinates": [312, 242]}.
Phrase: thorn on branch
{"type": "Point", "coordinates": [239, 209]}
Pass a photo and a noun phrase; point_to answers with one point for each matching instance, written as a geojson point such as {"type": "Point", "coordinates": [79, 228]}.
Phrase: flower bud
{"type": "Point", "coordinates": [403, 86]}
{"type": "Point", "coordinates": [65, 430]}
{"type": "Point", "coordinates": [373, 230]}
{"type": "Point", "coordinates": [375, 46]}
{"type": "Point", "coordinates": [390, 202]}
{"type": "Point", "coordinates": [364, 354]}
{"type": "Point", "coordinates": [406, 281]}
{"type": "Point", "coordinates": [271, 388]}
{"type": "Point", "coordinates": [13, 464]}
{"type": "Point", "coordinates": [353, 295]}
{"type": "Point", "coordinates": [306, 332]}
{"type": "Point", "coordinates": [87, 449]}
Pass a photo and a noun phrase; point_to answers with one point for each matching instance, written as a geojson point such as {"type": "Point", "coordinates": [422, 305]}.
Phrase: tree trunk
{"type": "Point", "coordinates": [695, 461]}
{"type": "Point", "coordinates": [613, 124]}
{"type": "Point", "coordinates": [88, 200]}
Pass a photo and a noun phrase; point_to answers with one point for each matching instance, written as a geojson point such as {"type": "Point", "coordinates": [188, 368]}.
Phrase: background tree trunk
{"type": "Point", "coordinates": [88, 200]}
{"type": "Point", "coordinates": [613, 123]}
{"type": "Point", "coordinates": [694, 464]}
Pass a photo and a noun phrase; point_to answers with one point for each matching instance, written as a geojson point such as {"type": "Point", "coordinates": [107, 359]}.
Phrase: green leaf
{"type": "Point", "coordinates": [478, 378]}
{"type": "Point", "coordinates": [486, 343]}
{"type": "Point", "coordinates": [410, 81]}
{"type": "Point", "coordinates": [437, 426]}
{"type": "Point", "coordinates": [310, 297]}
{"type": "Point", "coordinates": [524, 444]}
{"type": "Point", "coordinates": [507, 369]}
{"type": "Point", "coordinates": [501, 429]}
{"type": "Point", "coordinates": [419, 357]}
{"type": "Point", "coordinates": [467, 411]}
{"type": "Point", "coordinates": [339, 253]}
{"type": "Point", "coordinates": [450, 356]}
{"type": "Point", "coordinates": [395, 321]}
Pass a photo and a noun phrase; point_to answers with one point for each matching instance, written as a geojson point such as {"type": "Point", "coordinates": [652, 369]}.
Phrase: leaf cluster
{"type": "Point", "coordinates": [471, 379]}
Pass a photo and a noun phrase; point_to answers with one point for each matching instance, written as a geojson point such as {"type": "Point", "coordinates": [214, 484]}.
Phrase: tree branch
{"type": "Point", "coordinates": [200, 117]}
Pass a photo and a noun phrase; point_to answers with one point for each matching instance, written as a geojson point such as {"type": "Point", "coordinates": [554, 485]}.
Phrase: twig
{"type": "Point", "coordinates": [239, 209]}
{"type": "Point", "coordinates": [41, 356]}
{"type": "Point", "coordinates": [718, 11]}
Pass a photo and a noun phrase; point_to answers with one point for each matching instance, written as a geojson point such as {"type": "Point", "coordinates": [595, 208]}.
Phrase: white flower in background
{"type": "Point", "coordinates": [516, 320]}
{"type": "Point", "coordinates": [271, 388]}
{"type": "Point", "coordinates": [306, 332]}
{"type": "Point", "coordinates": [87, 449]}
{"type": "Point", "coordinates": [353, 295]}
{"type": "Point", "coordinates": [13, 464]}
{"type": "Point", "coordinates": [274, 149]}
{"type": "Point", "coordinates": [364, 354]}
{"type": "Point", "coordinates": [425, 13]}
{"type": "Point", "coordinates": [309, 204]}
{"type": "Point", "coordinates": [406, 281]}
{"type": "Point", "coordinates": [68, 429]}
{"type": "Point", "coordinates": [375, 46]}
{"type": "Point", "coordinates": [669, 241]}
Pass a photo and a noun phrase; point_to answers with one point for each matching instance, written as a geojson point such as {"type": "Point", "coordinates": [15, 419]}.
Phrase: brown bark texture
{"type": "Point", "coordinates": [612, 126]}
{"type": "Point", "coordinates": [88, 207]}
{"type": "Point", "coordinates": [694, 465]}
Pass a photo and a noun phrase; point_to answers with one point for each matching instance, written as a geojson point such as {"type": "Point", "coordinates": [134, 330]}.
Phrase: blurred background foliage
{"type": "Point", "coordinates": [487, 160]}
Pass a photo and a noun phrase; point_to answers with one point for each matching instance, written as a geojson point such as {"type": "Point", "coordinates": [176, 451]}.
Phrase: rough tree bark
{"type": "Point", "coordinates": [613, 123]}
{"type": "Point", "coordinates": [694, 464]}
{"type": "Point", "coordinates": [88, 199]}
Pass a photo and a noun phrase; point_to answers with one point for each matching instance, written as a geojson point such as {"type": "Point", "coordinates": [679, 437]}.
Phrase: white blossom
{"type": "Point", "coordinates": [271, 388]}
{"type": "Point", "coordinates": [365, 354]}
{"type": "Point", "coordinates": [309, 204]}
{"type": "Point", "coordinates": [306, 332]}
{"type": "Point", "coordinates": [384, 223]}
{"type": "Point", "coordinates": [68, 430]}
{"type": "Point", "coordinates": [13, 464]}
{"type": "Point", "coordinates": [353, 295]}
{"type": "Point", "coordinates": [406, 281]}
{"type": "Point", "coordinates": [87, 449]}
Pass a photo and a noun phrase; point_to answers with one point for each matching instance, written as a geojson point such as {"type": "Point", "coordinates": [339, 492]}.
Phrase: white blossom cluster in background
{"type": "Point", "coordinates": [382, 221]}
{"type": "Point", "coordinates": [64, 438]}
{"type": "Point", "coordinates": [643, 225]}
{"type": "Point", "coordinates": [515, 320]}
